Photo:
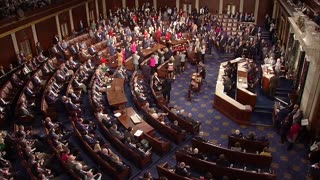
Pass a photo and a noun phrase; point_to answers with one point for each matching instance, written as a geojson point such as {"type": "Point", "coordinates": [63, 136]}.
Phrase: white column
{"type": "Point", "coordinates": [220, 6]}
{"type": "Point", "coordinates": [71, 20]}
{"type": "Point", "coordinates": [87, 13]}
{"type": "Point", "coordinates": [256, 10]}
{"type": "Point", "coordinates": [197, 5]}
{"type": "Point", "coordinates": [241, 6]}
{"type": "Point", "coordinates": [136, 3]}
{"type": "Point", "coordinates": [97, 9]}
{"type": "Point", "coordinates": [15, 44]}
{"type": "Point", "coordinates": [275, 6]}
{"type": "Point", "coordinates": [178, 4]}
{"type": "Point", "coordinates": [124, 4]}
{"type": "Point", "coordinates": [34, 33]}
{"type": "Point", "coordinates": [58, 27]}
{"type": "Point", "coordinates": [104, 8]}
{"type": "Point", "coordinates": [155, 4]}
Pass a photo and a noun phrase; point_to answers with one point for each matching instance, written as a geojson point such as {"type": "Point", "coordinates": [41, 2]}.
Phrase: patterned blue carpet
{"type": "Point", "coordinates": [287, 164]}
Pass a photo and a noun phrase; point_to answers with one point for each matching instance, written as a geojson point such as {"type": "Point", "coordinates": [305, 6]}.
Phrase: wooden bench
{"type": "Point", "coordinates": [203, 166]}
{"type": "Point", "coordinates": [243, 158]}
{"type": "Point", "coordinates": [250, 146]}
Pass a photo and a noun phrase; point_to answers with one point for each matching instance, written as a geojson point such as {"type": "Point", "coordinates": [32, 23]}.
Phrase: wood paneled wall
{"type": "Point", "coordinates": [92, 11]}
{"type": "Point", "coordinates": [64, 18]}
{"type": "Point", "coordinates": [265, 7]}
{"type": "Point", "coordinates": [231, 2]}
{"type": "Point", "coordinates": [26, 35]}
{"type": "Point", "coordinates": [78, 14]}
{"type": "Point", "coordinates": [132, 3]}
{"type": "Point", "coordinates": [213, 5]}
{"type": "Point", "coordinates": [45, 32]}
{"type": "Point", "coordinates": [249, 5]}
{"type": "Point", "coordinates": [169, 3]}
{"type": "Point", "coordinates": [100, 6]}
{"type": "Point", "coordinates": [7, 52]}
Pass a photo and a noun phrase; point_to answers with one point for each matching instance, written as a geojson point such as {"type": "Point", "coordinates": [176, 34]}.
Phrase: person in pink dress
{"type": "Point", "coordinates": [133, 47]}
{"type": "Point", "coordinates": [123, 51]}
{"type": "Point", "coordinates": [152, 64]}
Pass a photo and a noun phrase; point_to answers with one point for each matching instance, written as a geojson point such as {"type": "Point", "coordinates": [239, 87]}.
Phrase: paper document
{"type": "Point", "coordinates": [138, 132]}
{"type": "Point", "coordinates": [135, 119]}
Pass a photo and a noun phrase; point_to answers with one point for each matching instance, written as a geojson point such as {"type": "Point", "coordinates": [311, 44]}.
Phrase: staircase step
{"type": "Point", "coordinates": [283, 89]}
{"type": "Point", "coordinates": [283, 100]}
{"type": "Point", "coordinates": [262, 111]}
{"type": "Point", "coordinates": [283, 94]}
{"type": "Point", "coordinates": [262, 107]}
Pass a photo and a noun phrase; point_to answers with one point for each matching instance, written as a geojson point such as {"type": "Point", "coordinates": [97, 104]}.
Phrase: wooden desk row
{"type": "Point", "coordinates": [162, 128]}
{"type": "Point", "coordinates": [163, 104]}
{"type": "Point", "coordinates": [244, 158]}
{"type": "Point", "coordinates": [249, 145]}
{"type": "Point", "coordinates": [203, 166]}
{"type": "Point", "coordinates": [134, 156]}
{"type": "Point", "coordinates": [116, 94]}
{"type": "Point", "coordinates": [239, 112]}
{"type": "Point", "coordinates": [110, 167]}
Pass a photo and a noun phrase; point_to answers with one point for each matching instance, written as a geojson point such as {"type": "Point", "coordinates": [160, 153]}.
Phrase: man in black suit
{"type": "Point", "coordinates": [183, 170]}
{"type": "Point", "coordinates": [92, 50]}
{"type": "Point", "coordinates": [2, 72]}
{"type": "Point", "coordinates": [166, 88]}
{"type": "Point", "coordinates": [55, 39]}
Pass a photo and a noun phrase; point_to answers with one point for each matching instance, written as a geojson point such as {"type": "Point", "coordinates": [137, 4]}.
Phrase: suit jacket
{"type": "Point", "coordinates": [92, 51]}
{"type": "Point", "coordinates": [73, 50]}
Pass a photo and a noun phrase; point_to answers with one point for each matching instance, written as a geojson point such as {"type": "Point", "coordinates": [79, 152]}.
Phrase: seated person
{"type": "Point", "coordinates": [147, 176]}
{"type": "Point", "coordinates": [128, 133]}
{"type": "Point", "coordinates": [89, 138]}
{"type": "Point", "coordinates": [198, 155]}
{"type": "Point", "coordinates": [176, 127]}
{"type": "Point", "coordinates": [200, 137]}
{"type": "Point", "coordinates": [222, 161]}
{"type": "Point", "coordinates": [182, 169]}
{"type": "Point", "coordinates": [24, 111]}
{"type": "Point", "coordinates": [51, 97]}
{"type": "Point", "coordinates": [237, 134]}
{"type": "Point", "coordinates": [115, 132]}
{"type": "Point", "coordinates": [142, 151]}
{"type": "Point", "coordinates": [315, 170]}
{"type": "Point", "coordinates": [251, 136]}
{"type": "Point", "coordinates": [236, 147]}
{"type": "Point", "coordinates": [265, 152]}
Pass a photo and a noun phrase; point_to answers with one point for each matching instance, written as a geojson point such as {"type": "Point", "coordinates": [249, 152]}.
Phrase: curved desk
{"type": "Point", "coordinates": [115, 94]}
{"type": "Point", "coordinates": [239, 109]}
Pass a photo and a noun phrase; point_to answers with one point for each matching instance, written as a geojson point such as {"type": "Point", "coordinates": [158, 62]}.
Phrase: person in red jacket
{"type": "Point", "coordinates": [293, 134]}
{"type": "Point", "coordinates": [158, 35]}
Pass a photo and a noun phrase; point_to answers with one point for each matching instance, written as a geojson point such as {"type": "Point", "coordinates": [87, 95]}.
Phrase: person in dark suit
{"type": "Point", "coordinates": [39, 48]}
{"type": "Point", "coordinates": [92, 50]}
{"type": "Point", "coordinates": [222, 161]}
{"type": "Point", "coordinates": [175, 126]}
{"type": "Point", "coordinates": [128, 134]}
{"type": "Point", "coordinates": [55, 39]}
{"type": "Point", "coordinates": [273, 85]}
{"type": "Point", "coordinates": [166, 89]}
{"type": "Point", "coordinates": [2, 72]}
{"type": "Point", "coordinates": [183, 170]}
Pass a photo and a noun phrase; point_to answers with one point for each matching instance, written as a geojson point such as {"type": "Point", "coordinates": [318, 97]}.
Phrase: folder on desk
{"type": "Point", "coordinates": [135, 119]}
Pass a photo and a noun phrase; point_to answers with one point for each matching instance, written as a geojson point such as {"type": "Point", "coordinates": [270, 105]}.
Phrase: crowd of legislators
{"type": "Point", "coordinates": [10, 8]}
